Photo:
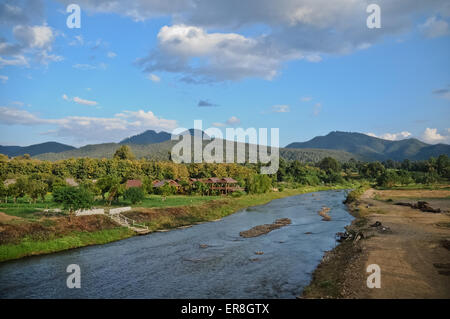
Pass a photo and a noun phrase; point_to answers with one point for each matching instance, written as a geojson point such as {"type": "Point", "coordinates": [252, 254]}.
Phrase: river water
{"type": "Point", "coordinates": [173, 265]}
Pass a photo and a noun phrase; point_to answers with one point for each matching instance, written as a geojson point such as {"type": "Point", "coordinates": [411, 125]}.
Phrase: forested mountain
{"type": "Point", "coordinates": [373, 148]}
{"type": "Point", "coordinates": [161, 151]}
{"type": "Point", "coordinates": [147, 137]}
{"type": "Point", "coordinates": [340, 145]}
{"type": "Point", "coordinates": [35, 149]}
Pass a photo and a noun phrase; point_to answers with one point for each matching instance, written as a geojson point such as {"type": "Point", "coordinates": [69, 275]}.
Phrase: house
{"type": "Point", "coordinates": [223, 185]}
{"type": "Point", "coordinates": [163, 182]}
{"type": "Point", "coordinates": [133, 183]}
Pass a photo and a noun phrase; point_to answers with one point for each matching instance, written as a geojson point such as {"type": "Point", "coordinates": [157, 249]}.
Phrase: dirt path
{"type": "Point", "coordinates": [407, 255]}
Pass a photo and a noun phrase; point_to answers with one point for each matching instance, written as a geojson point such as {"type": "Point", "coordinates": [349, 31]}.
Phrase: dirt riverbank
{"type": "Point", "coordinates": [411, 249]}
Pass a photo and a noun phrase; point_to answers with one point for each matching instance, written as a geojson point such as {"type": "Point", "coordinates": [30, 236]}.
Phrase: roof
{"type": "Point", "coordinates": [133, 183]}
{"type": "Point", "coordinates": [212, 180]}
{"type": "Point", "coordinates": [165, 181]}
{"type": "Point", "coordinates": [229, 180]}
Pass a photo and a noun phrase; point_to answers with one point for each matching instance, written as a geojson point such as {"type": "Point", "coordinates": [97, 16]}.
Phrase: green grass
{"type": "Point", "coordinates": [157, 201]}
{"type": "Point", "coordinates": [29, 247]}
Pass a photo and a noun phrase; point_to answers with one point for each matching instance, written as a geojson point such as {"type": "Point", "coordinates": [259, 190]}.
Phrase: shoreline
{"type": "Point", "coordinates": [329, 276]}
{"type": "Point", "coordinates": [408, 245]}
{"type": "Point", "coordinates": [194, 214]}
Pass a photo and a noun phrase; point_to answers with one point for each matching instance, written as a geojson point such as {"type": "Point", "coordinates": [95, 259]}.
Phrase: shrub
{"type": "Point", "coordinates": [73, 198]}
{"type": "Point", "coordinates": [134, 195]}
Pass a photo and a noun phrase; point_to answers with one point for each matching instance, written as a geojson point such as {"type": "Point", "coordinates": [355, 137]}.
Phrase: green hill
{"type": "Point", "coordinates": [160, 151]}
{"type": "Point", "coordinates": [373, 148]}
{"type": "Point", "coordinates": [35, 149]}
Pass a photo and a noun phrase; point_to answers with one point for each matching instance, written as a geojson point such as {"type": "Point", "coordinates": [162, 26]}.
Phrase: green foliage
{"type": "Point", "coordinates": [258, 184]}
{"type": "Point", "coordinates": [73, 198]}
{"type": "Point", "coordinates": [36, 188]}
{"type": "Point", "coordinates": [330, 165]}
{"type": "Point", "coordinates": [388, 179]}
{"type": "Point", "coordinates": [134, 195]}
{"type": "Point", "coordinates": [354, 195]}
{"type": "Point", "coordinates": [124, 153]}
{"type": "Point", "coordinates": [372, 170]}
{"type": "Point", "coordinates": [165, 190]}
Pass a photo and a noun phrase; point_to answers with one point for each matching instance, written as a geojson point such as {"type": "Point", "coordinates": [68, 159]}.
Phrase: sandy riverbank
{"type": "Point", "coordinates": [413, 251]}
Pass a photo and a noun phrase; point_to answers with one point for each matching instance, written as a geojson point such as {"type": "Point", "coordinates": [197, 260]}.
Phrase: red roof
{"type": "Point", "coordinates": [229, 180]}
{"type": "Point", "coordinates": [165, 181]}
{"type": "Point", "coordinates": [133, 183]}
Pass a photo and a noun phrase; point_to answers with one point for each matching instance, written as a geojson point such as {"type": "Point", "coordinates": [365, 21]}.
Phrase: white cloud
{"type": "Point", "coordinates": [40, 37]}
{"type": "Point", "coordinates": [91, 129]}
{"type": "Point", "coordinates": [209, 57]}
{"type": "Point", "coordinates": [290, 30]}
{"type": "Point", "coordinates": [233, 121]}
{"type": "Point", "coordinates": [434, 28]}
{"type": "Point", "coordinates": [317, 109]}
{"type": "Point", "coordinates": [432, 136]}
{"type": "Point", "coordinates": [78, 40]}
{"type": "Point", "coordinates": [11, 116]}
{"type": "Point", "coordinates": [154, 77]}
{"type": "Point", "coordinates": [306, 99]}
{"type": "Point", "coordinates": [280, 108]}
{"type": "Point", "coordinates": [392, 136]}
{"type": "Point", "coordinates": [87, 67]}
{"type": "Point", "coordinates": [18, 60]}
{"type": "Point", "coordinates": [3, 78]}
{"type": "Point", "coordinates": [78, 100]}
{"type": "Point", "coordinates": [33, 43]}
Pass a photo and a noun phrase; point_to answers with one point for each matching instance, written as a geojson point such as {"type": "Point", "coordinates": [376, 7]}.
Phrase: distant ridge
{"type": "Point", "coordinates": [151, 137]}
{"type": "Point", "coordinates": [147, 137]}
{"type": "Point", "coordinates": [36, 149]}
{"type": "Point", "coordinates": [373, 148]}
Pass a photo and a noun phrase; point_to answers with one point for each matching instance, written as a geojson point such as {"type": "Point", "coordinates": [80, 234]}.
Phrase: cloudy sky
{"type": "Point", "coordinates": [307, 67]}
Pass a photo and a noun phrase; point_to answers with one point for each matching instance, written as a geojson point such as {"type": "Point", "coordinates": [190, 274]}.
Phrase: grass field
{"type": "Point", "coordinates": [24, 209]}
{"type": "Point", "coordinates": [77, 239]}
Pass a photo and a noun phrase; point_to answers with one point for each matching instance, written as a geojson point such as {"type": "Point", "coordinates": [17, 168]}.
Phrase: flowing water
{"type": "Point", "coordinates": [174, 264]}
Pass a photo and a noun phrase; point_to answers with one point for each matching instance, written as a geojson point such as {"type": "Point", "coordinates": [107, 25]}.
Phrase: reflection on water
{"type": "Point", "coordinates": [175, 265]}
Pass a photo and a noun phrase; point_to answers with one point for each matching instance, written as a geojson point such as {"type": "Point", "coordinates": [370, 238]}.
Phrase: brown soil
{"type": "Point", "coordinates": [413, 193]}
{"type": "Point", "coordinates": [266, 228]}
{"type": "Point", "coordinates": [6, 218]}
{"type": "Point", "coordinates": [412, 255]}
{"type": "Point", "coordinates": [48, 228]}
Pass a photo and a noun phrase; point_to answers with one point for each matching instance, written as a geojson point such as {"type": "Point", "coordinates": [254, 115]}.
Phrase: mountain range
{"type": "Point", "coordinates": [156, 146]}
{"type": "Point", "coordinates": [373, 148]}
{"type": "Point", "coordinates": [35, 149]}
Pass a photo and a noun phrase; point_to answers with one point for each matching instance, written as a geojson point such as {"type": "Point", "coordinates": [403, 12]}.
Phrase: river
{"type": "Point", "coordinates": [174, 265]}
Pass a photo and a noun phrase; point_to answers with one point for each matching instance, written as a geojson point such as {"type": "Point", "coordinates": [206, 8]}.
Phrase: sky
{"type": "Point", "coordinates": [307, 67]}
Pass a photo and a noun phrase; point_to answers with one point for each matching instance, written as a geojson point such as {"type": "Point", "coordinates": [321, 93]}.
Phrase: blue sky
{"type": "Point", "coordinates": [303, 67]}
